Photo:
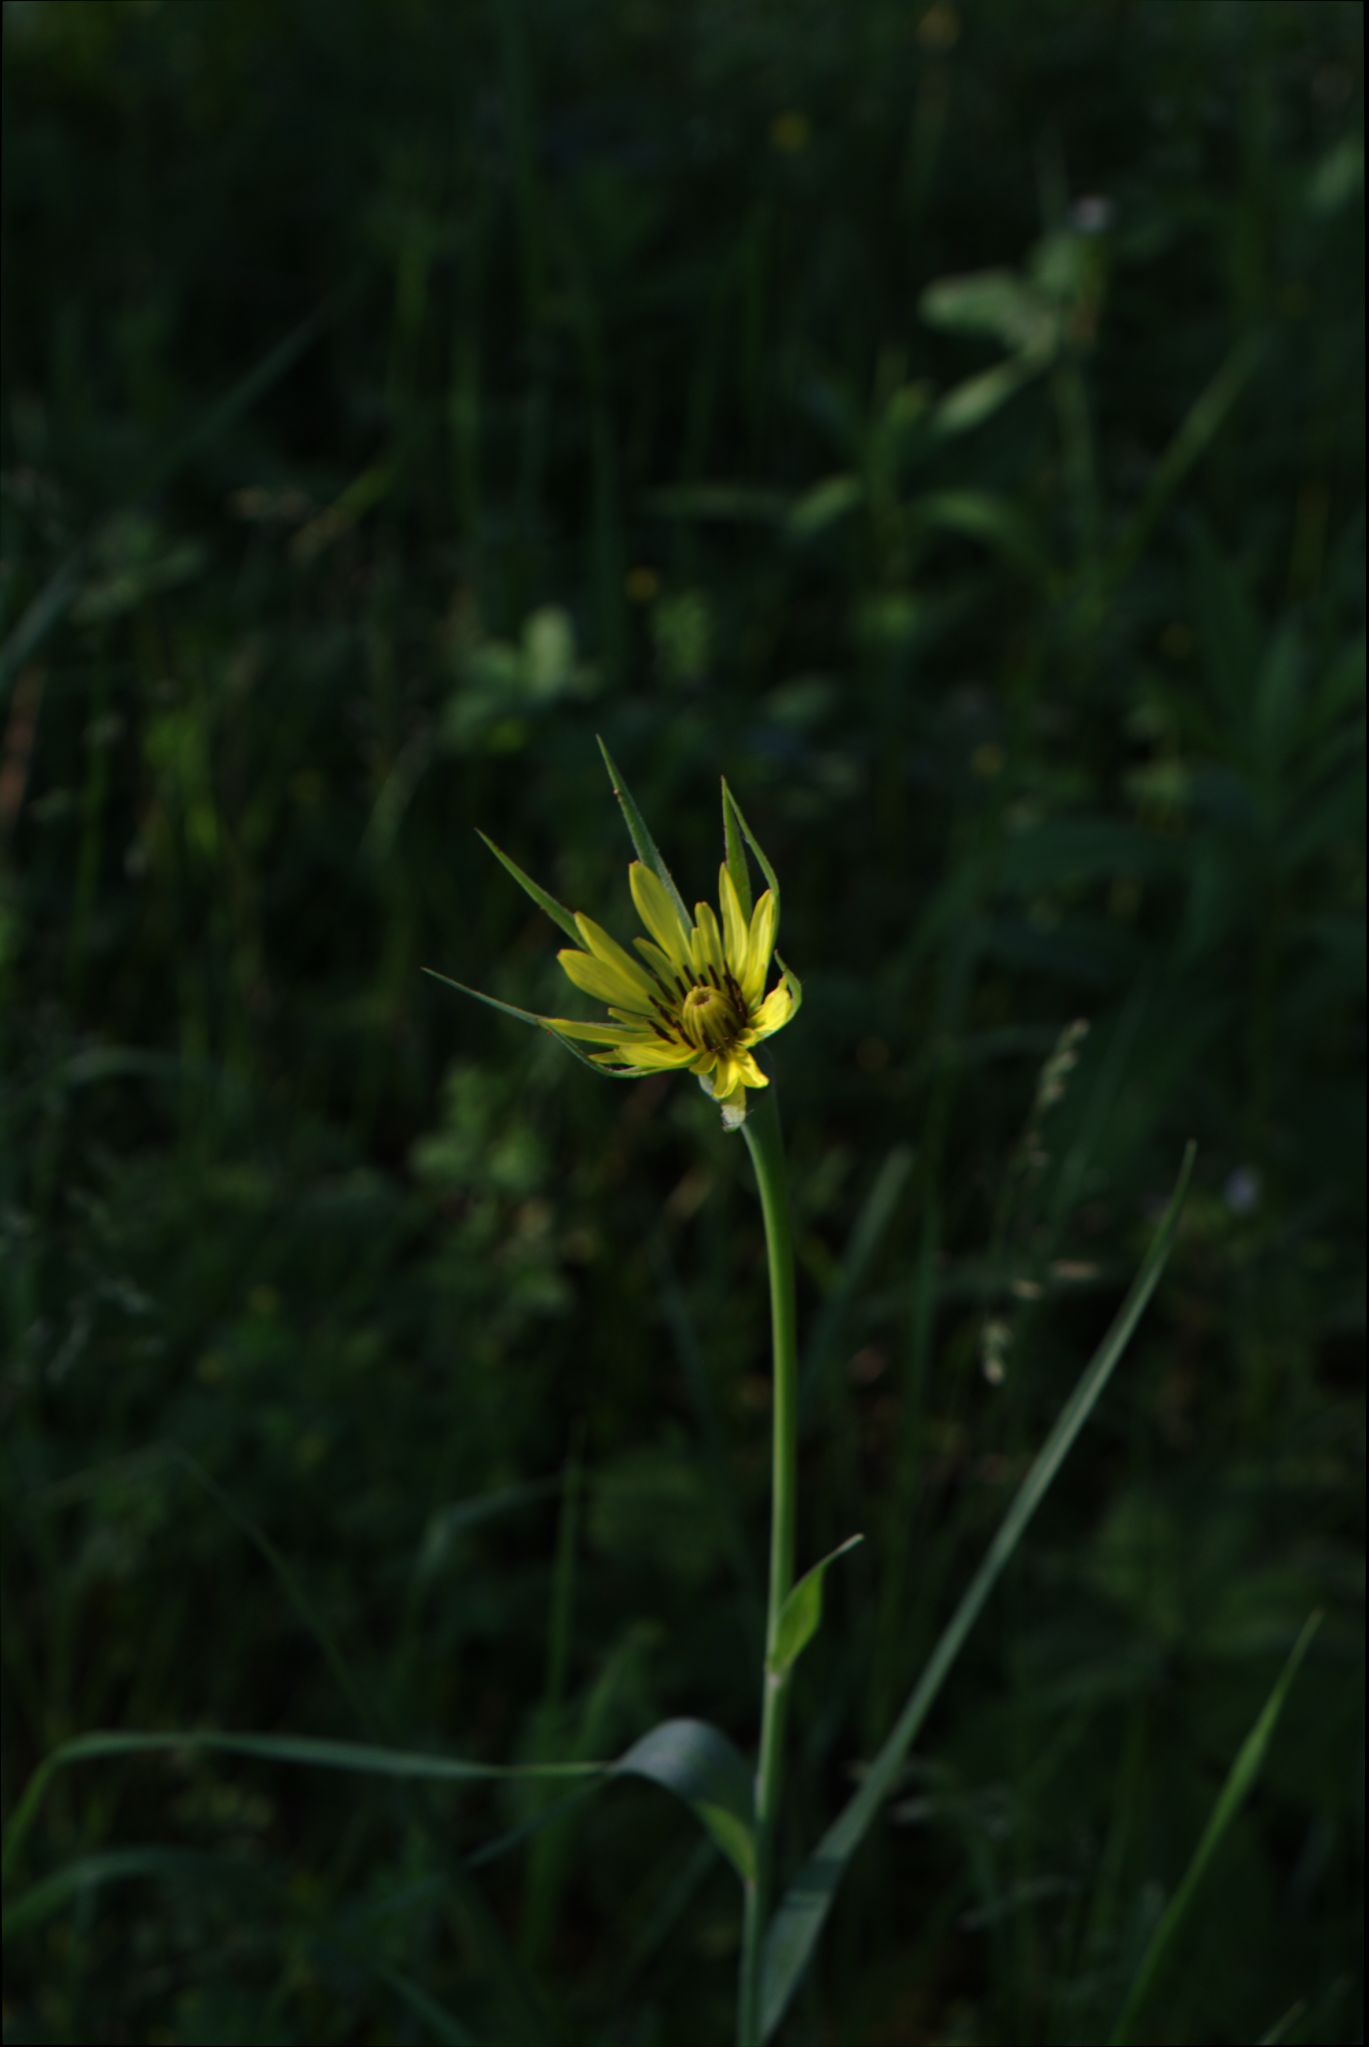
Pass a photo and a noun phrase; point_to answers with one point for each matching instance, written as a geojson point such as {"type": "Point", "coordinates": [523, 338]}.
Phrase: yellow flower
{"type": "Point", "coordinates": [695, 1000]}
{"type": "Point", "coordinates": [692, 997]}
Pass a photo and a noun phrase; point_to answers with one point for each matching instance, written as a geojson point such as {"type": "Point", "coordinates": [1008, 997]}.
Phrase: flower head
{"type": "Point", "coordinates": [694, 999]}
{"type": "Point", "coordinates": [691, 997]}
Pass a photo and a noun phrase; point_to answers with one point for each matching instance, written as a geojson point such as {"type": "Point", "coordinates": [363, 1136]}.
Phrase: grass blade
{"type": "Point", "coordinates": [687, 1757]}
{"type": "Point", "coordinates": [1232, 1796]}
{"type": "Point", "coordinates": [795, 1929]}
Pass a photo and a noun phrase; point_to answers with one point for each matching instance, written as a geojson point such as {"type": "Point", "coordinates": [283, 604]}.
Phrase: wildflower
{"type": "Point", "coordinates": [691, 997]}
{"type": "Point", "coordinates": [694, 1001]}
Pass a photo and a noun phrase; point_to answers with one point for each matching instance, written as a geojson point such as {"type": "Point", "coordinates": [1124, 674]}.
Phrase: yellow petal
{"type": "Point", "coordinates": [596, 1033]}
{"type": "Point", "coordinates": [652, 1056]}
{"type": "Point", "coordinates": [760, 945]}
{"type": "Point", "coordinates": [612, 954]}
{"type": "Point", "coordinates": [748, 1071]}
{"type": "Point", "coordinates": [668, 971]}
{"type": "Point", "coordinates": [658, 913]}
{"type": "Point", "coordinates": [734, 923]}
{"type": "Point", "coordinates": [708, 941]}
{"type": "Point", "coordinates": [596, 978]}
{"type": "Point", "coordinates": [773, 1014]}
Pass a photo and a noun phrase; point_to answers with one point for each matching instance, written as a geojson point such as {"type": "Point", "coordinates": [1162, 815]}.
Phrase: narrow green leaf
{"type": "Point", "coordinates": [793, 1933]}
{"type": "Point", "coordinates": [558, 912]}
{"type": "Point", "coordinates": [114, 1865]}
{"type": "Point", "coordinates": [801, 1614]}
{"type": "Point", "coordinates": [526, 1016]}
{"type": "Point", "coordinates": [646, 847]}
{"type": "Point", "coordinates": [734, 847]}
{"type": "Point", "coordinates": [766, 869]}
{"type": "Point", "coordinates": [687, 1757]}
{"type": "Point", "coordinates": [1232, 1796]}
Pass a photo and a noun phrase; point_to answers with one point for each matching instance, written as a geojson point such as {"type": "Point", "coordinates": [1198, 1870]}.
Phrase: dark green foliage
{"type": "Point", "coordinates": [947, 424]}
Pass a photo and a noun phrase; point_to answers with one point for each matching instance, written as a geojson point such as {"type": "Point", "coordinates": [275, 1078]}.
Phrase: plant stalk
{"type": "Point", "coordinates": [766, 1146]}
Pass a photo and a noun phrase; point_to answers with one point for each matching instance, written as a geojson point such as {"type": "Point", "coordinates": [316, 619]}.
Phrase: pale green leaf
{"type": "Point", "coordinates": [801, 1614]}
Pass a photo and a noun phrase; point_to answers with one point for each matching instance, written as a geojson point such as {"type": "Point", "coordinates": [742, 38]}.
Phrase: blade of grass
{"type": "Point", "coordinates": [689, 1758]}
{"type": "Point", "coordinates": [1232, 1796]}
{"type": "Point", "coordinates": [794, 1931]}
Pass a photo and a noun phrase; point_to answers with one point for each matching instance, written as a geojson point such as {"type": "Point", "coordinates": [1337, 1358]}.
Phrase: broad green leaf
{"type": "Point", "coordinates": [558, 912]}
{"type": "Point", "coordinates": [801, 1614]}
{"type": "Point", "coordinates": [1232, 1796]}
{"type": "Point", "coordinates": [744, 828]}
{"type": "Point", "coordinates": [734, 847]}
{"type": "Point", "coordinates": [526, 1016]}
{"type": "Point", "coordinates": [701, 1766]}
{"type": "Point", "coordinates": [794, 1931]}
{"type": "Point", "coordinates": [647, 850]}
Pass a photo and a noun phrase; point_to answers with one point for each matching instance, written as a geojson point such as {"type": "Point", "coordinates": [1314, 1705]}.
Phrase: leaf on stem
{"type": "Point", "coordinates": [801, 1614]}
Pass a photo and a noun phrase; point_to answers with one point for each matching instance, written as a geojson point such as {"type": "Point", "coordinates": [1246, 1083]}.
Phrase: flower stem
{"type": "Point", "coordinates": [766, 1145]}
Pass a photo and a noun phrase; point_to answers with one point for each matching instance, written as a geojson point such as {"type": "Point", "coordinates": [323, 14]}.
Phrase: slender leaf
{"type": "Point", "coordinates": [687, 1757]}
{"type": "Point", "coordinates": [526, 1016]}
{"type": "Point", "coordinates": [647, 850]}
{"type": "Point", "coordinates": [795, 1929]}
{"type": "Point", "coordinates": [1232, 1796]}
{"type": "Point", "coordinates": [766, 869]}
{"type": "Point", "coordinates": [735, 850]}
{"type": "Point", "coordinates": [558, 912]}
{"type": "Point", "coordinates": [801, 1614]}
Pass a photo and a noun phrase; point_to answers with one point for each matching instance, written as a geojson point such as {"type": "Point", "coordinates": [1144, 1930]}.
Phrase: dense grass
{"type": "Point", "coordinates": [395, 396]}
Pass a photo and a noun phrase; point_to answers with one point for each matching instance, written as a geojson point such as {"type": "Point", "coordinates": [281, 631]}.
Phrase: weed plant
{"type": "Point", "coordinates": [947, 421]}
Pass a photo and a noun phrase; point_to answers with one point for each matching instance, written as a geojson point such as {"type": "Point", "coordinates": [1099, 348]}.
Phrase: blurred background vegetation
{"type": "Point", "coordinates": [947, 421]}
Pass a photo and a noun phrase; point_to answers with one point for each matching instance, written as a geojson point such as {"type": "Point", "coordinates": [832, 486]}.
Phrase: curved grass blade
{"type": "Point", "coordinates": [526, 1016]}
{"type": "Point", "coordinates": [687, 1757]}
{"type": "Point", "coordinates": [801, 1614]}
{"type": "Point", "coordinates": [558, 912]}
{"type": "Point", "coordinates": [647, 850]}
{"type": "Point", "coordinates": [1232, 1796]}
{"type": "Point", "coordinates": [794, 1931]}
{"type": "Point", "coordinates": [701, 1766]}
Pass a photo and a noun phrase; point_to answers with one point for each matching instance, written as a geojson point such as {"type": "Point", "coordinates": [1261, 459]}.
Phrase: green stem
{"type": "Point", "coordinates": [766, 1145]}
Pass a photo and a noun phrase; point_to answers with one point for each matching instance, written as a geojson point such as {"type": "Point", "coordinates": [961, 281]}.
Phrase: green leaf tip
{"type": "Point", "coordinates": [734, 851]}
{"type": "Point", "coordinates": [648, 852]}
{"type": "Point", "coordinates": [558, 912]}
{"type": "Point", "coordinates": [801, 1614]}
{"type": "Point", "coordinates": [731, 805]}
